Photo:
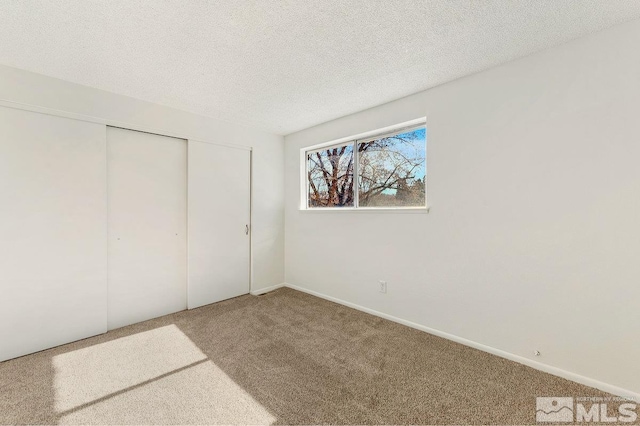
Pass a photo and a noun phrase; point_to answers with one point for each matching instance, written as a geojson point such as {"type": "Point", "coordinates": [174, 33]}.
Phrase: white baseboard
{"type": "Point", "coordinates": [606, 387]}
{"type": "Point", "coordinates": [264, 290]}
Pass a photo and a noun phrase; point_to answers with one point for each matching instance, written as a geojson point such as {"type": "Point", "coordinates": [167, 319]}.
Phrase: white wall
{"type": "Point", "coordinates": [532, 241]}
{"type": "Point", "coordinates": [19, 87]}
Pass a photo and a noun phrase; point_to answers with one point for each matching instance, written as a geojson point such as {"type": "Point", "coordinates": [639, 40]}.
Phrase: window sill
{"type": "Point", "coordinates": [398, 210]}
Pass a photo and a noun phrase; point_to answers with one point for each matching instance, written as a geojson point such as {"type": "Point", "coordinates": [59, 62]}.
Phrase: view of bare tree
{"type": "Point", "coordinates": [391, 173]}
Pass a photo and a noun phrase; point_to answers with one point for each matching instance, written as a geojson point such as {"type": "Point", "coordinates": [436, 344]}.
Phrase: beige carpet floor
{"type": "Point", "coordinates": [282, 358]}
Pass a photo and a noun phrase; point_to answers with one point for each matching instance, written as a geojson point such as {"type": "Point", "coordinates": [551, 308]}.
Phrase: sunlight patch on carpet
{"type": "Point", "coordinates": [88, 374]}
{"type": "Point", "coordinates": [202, 394]}
{"type": "Point", "coordinates": [161, 370]}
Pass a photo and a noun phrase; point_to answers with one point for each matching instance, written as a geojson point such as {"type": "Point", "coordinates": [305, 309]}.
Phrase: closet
{"type": "Point", "coordinates": [53, 231]}
{"type": "Point", "coordinates": [219, 229]}
{"type": "Point", "coordinates": [102, 227]}
{"type": "Point", "coordinates": [147, 226]}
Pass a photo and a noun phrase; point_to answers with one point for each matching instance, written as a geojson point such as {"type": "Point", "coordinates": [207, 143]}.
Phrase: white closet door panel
{"type": "Point", "coordinates": [219, 215]}
{"type": "Point", "coordinates": [53, 238]}
{"type": "Point", "coordinates": [147, 195]}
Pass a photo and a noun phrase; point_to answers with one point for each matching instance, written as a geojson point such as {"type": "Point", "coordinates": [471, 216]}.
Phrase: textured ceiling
{"type": "Point", "coordinates": [288, 64]}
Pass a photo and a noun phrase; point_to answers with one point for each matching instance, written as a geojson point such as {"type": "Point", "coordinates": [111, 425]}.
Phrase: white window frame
{"type": "Point", "coordinates": [354, 141]}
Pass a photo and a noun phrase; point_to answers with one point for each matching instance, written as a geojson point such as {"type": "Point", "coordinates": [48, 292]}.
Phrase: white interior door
{"type": "Point", "coordinates": [53, 234]}
{"type": "Point", "coordinates": [147, 219]}
{"type": "Point", "coordinates": [219, 223]}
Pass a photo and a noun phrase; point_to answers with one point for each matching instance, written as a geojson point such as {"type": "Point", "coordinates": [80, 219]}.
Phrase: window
{"type": "Point", "coordinates": [382, 171]}
{"type": "Point", "coordinates": [331, 177]}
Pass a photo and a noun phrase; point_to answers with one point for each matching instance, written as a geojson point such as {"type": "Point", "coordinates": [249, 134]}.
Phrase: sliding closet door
{"type": "Point", "coordinates": [219, 228]}
{"type": "Point", "coordinates": [53, 234]}
{"type": "Point", "coordinates": [147, 219]}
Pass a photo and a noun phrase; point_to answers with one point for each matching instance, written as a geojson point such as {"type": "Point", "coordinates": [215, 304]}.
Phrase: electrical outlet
{"type": "Point", "coordinates": [383, 286]}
